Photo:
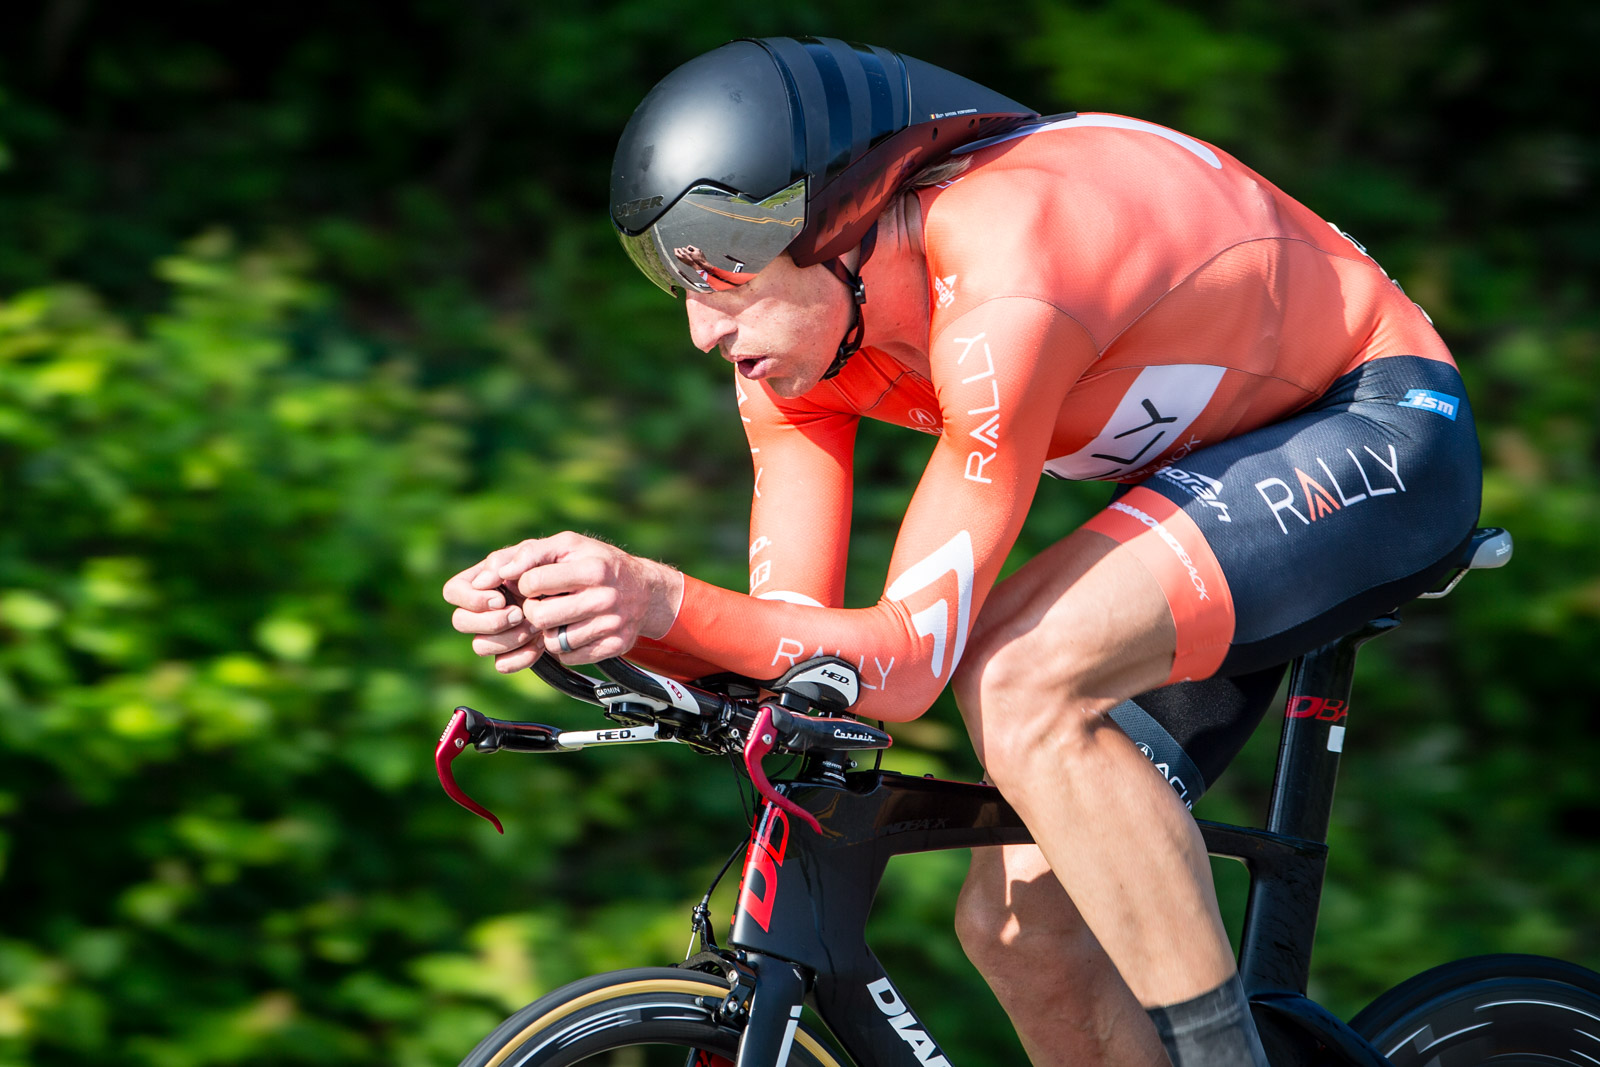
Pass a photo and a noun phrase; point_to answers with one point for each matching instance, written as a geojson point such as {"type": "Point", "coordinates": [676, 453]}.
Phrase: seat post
{"type": "Point", "coordinates": [1319, 700]}
{"type": "Point", "coordinates": [1280, 920]}
{"type": "Point", "coordinates": [1313, 734]}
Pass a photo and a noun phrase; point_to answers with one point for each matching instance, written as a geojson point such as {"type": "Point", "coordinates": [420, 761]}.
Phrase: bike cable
{"type": "Point", "coordinates": [739, 783]}
{"type": "Point", "coordinates": [700, 918]}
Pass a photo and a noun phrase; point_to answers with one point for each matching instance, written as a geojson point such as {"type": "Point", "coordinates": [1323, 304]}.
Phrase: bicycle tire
{"type": "Point", "coordinates": [608, 1018]}
{"type": "Point", "coordinates": [1505, 1010]}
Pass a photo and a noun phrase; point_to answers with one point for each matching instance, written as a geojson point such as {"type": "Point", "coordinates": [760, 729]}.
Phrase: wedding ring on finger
{"type": "Point", "coordinates": [561, 638]}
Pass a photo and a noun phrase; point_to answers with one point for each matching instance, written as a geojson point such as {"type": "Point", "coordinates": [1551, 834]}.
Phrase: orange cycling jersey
{"type": "Point", "coordinates": [1106, 296]}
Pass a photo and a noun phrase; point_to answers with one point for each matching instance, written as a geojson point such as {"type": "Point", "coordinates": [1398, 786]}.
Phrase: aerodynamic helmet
{"type": "Point", "coordinates": [783, 144]}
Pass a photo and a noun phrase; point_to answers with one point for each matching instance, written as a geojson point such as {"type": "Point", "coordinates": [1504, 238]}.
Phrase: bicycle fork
{"type": "Point", "coordinates": [775, 1008]}
{"type": "Point", "coordinates": [775, 1004]}
{"type": "Point", "coordinates": [880, 1024]}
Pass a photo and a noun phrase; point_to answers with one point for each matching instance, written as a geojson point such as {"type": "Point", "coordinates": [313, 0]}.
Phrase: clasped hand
{"type": "Point", "coordinates": [599, 597]}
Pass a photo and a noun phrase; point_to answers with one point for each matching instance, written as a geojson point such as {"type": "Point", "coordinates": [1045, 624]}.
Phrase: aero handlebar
{"type": "Point", "coordinates": [706, 716]}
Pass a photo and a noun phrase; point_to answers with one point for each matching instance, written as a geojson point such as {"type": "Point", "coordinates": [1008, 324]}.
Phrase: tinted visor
{"type": "Point", "coordinates": [712, 240]}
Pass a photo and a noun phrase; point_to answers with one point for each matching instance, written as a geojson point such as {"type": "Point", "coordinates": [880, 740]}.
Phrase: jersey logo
{"type": "Point", "coordinates": [1319, 500]}
{"type": "Point", "coordinates": [946, 288]}
{"type": "Point", "coordinates": [987, 435]}
{"type": "Point", "coordinates": [1202, 487]}
{"type": "Point", "coordinates": [1428, 400]}
{"type": "Point", "coordinates": [760, 574]}
{"type": "Point", "coordinates": [955, 556]}
{"type": "Point", "coordinates": [1170, 541]}
{"type": "Point", "coordinates": [1153, 414]}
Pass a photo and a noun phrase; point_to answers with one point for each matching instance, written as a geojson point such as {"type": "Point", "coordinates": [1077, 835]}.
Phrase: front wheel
{"type": "Point", "coordinates": [1509, 1011]}
{"type": "Point", "coordinates": [643, 1017]}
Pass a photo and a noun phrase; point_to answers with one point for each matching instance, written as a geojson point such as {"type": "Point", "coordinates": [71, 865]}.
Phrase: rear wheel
{"type": "Point", "coordinates": [1509, 1011]}
{"type": "Point", "coordinates": [644, 1017]}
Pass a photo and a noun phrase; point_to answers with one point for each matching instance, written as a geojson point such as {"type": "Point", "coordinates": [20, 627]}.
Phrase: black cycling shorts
{"type": "Point", "coordinates": [1318, 523]}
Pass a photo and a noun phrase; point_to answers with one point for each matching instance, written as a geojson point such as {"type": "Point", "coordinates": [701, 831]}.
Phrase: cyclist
{"type": "Point", "coordinates": [1088, 296]}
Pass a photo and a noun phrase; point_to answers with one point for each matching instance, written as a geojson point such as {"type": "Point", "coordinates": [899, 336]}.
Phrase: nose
{"type": "Point", "coordinates": [708, 326]}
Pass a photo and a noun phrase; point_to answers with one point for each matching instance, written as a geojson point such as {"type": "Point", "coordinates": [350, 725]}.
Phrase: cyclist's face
{"type": "Point", "coordinates": [783, 328]}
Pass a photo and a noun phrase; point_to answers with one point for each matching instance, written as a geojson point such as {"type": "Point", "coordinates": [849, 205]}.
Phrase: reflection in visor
{"type": "Point", "coordinates": [714, 276]}
{"type": "Point", "coordinates": [713, 240]}
{"type": "Point", "coordinates": [641, 248]}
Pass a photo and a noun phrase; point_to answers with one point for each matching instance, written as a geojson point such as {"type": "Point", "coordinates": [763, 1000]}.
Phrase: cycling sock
{"type": "Point", "coordinates": [1212, 1030]}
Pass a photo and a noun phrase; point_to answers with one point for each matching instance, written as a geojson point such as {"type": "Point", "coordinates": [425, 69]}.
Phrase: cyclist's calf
{"type": "Point", "coordinates": [1064, 996]}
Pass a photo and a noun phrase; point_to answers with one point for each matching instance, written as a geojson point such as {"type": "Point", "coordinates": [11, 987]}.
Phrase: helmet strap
{"type": "Point", "coordinates": [858, 292]}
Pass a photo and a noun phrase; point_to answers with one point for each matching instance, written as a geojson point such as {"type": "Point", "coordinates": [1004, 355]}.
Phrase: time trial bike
{"type": "Point", "coordinates": [821, 840]}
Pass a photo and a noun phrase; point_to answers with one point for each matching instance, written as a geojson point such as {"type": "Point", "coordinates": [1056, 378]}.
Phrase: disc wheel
{"type": "Point", "coordinates": [1508, 1011]}
{"type": "Point", "coordinates": [644, 1017]}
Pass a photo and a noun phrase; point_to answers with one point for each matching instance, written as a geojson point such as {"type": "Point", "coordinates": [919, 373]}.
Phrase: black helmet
{"type": "Point", "coordinates": [783, 144]}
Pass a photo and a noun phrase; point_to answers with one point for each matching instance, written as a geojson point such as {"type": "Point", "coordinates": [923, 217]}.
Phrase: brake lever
{"type": "Point", "coordinates": [762, 739]}
{"type": "Point", "coordinates": [469, 726]}
{"type": "Point", "coordinates": [451, 742]}
{"type": "Point", "coordinates": [487, 735]}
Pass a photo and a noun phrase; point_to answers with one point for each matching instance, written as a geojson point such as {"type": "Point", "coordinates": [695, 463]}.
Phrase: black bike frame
{"type": "Point", "coordinates": [805, 899]}
{"type": "Point", "coordinates": [803, 904]}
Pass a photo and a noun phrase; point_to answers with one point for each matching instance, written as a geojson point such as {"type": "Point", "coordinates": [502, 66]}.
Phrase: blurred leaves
{"type": "Point", "coordinates": [299, 315]}
{"type": "Point", "coordinates": [1146, 56]}
{"type": "Point", "coordinates": [222, 533]}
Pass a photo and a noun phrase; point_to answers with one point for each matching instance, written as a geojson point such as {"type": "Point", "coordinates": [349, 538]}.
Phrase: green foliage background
{"type": "Point", "coordinates": [302, 309]}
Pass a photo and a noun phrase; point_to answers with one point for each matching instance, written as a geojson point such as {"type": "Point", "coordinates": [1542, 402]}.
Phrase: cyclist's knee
{"type": "Point", "coordinates": [1019, 701]}
{"type": "Point", "coordinates": [968, 680]}
{"type": "Point", "coordinates": [1012, 912]}
{"type": "Point", "coordinates": [983, 920]}
{"type": "Point", "coordinates": [997, 661]}
{"type": "Point", "coordinates": [1019, 725]}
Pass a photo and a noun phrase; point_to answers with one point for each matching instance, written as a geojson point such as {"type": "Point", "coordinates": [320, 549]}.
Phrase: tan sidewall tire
{"type": "Point", "coordinates": [527, 1039]}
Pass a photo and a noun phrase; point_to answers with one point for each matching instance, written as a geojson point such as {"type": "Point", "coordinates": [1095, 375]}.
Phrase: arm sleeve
{"type": "Point", "coordinates": [802, 455]}
{"type": "Point", "coordinates": [1001, 371]}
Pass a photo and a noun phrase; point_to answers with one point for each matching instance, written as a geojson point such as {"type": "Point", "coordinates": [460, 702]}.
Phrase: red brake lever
{"type": "Point", "coordinates": [763, 738]}
{"type": "Point", "coordinates": [451, 742]}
